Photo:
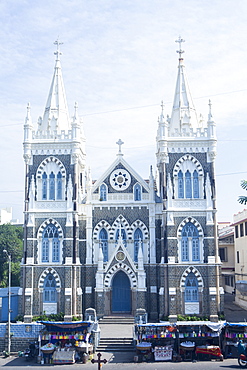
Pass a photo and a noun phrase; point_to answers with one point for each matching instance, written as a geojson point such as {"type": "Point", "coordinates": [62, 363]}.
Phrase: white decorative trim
{"type": "Point", "coordinates": [117, 267]}
{"type": "Point", "coordinates": [190, 158]}
{"type": "Point", "coordinates": [48, 222]}
{"type": "Point", "coordinates": [191, 308]}
{"type": "Point", "coordinates": [211, 259]}
{"type": "Point", "coordinates": [212, 290]}
{"type": "Point", "coordinates": [28, 291]}
{"type": "Point", "coordinates": [171, 259]}
{"type": "Point", "coordinates": [48, 160]}
{"type": "Point", "coordinates": [197, 275]}
{"type": "Point", "coordinates": [88, 289]}
{"type": "Point", "coordinates": [153, 289]}
{"type": "Point", "coordinates": [67, 291]}
{"type": "Point", "coordinates": [194, 222]}
{"type": "Point", "coordinates": [47, 271]}
{"type": "Point", "coordinates": [172, 291]}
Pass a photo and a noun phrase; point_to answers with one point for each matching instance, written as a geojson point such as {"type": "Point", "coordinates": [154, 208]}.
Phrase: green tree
{"type": "Point", "coordinates": [11, 237]}
{"type": "Point", "coordinates": [243, 199]}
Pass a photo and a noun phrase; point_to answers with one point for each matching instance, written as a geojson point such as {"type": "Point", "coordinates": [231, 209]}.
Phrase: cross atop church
{"type": "Point", "coordinates": [180, 51]}
{"type": "Point", "coordinates": [58, 52]}
{"type": "Point", "coordinates": [119, 143]}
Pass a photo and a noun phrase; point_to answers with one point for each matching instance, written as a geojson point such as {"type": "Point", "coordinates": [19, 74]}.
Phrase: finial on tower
{"type": "Point", "coordinates": [58, 52]}
{"type": "Point", "coordinates": [119, 143]}
{"type": "Point", "coordinates": [180, 51]}
{"type": "Point", "coordinates": [209, 110]}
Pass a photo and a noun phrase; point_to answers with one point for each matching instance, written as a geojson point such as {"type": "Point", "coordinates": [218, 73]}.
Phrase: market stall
{"type": "Point", "coordinates": [160, 337]}
{"type": "Point", "coordinates": [67, 342]}
{"type": "Point", "coordinates": [182, 340]}
{"type": "Point", "coordinates": [232, 333]}
{"type": "Point", "coordinates": [200, 340]}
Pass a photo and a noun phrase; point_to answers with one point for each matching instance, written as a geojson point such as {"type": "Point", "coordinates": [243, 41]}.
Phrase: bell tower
{"type": "Point", "coordinates": [186, 151]}
{"type": "Point", "coordinates": [54, 155]}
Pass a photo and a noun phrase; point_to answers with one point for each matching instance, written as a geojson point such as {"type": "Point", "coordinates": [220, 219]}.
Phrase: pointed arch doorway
{"type": "Point", "coordinates": [121, 293]}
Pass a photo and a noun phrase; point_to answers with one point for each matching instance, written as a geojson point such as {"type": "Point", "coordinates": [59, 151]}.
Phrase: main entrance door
{"type": "Point", "coordinates": [121, 293]}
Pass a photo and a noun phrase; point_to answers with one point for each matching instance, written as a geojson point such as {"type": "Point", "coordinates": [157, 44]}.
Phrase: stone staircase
{"type": "Point", "coordinates": [116, 334]}
{"type": "Point", "coordinates": [119, 320]}
{"type": "Point", "coordinates": [116, 345]}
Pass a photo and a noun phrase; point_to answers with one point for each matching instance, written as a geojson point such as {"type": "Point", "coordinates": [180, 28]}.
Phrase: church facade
{"type": "Point", "coordinates": [120, 243]}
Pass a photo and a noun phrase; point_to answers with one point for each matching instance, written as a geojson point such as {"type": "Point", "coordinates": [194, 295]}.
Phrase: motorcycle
{"type": "Point", "coordinates": [32, 351]}
{"type": "Point", "coordinates": [242, 360]}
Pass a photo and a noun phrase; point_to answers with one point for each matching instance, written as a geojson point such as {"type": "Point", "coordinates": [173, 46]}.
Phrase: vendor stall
{"type": "Point", "coordinates": [67, 342]}
{"type": "Point", "coordinates": [180, 340]}
{"type": "Point", "coordinates": [232, 333]}
{"type": "Point", "coordinates": [160, 337]}
{"type": "Point", "coordinates": [200, 340]}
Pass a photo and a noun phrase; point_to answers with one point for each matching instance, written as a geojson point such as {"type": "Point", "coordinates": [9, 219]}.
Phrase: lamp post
{"type": "Point", "coordinates": [9, 301]}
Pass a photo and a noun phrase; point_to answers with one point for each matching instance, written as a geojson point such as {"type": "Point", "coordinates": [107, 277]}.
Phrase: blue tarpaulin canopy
{"type": "Point", "coordinates": [63, 326]}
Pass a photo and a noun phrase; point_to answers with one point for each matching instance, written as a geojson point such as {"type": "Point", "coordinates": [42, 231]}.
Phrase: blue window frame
{"type": "Point", "coordinates": [195, 184]}
{"type": "Point", "coordinates": [103, 237]}
{"type": "Point", "coordinates": [103, 192]}
{"type": "Point", "coordinates": [50, 241]}
{"type": "Point", "coordinates": [123, 233]}
{"type": "Point", "coordinates": [138, 239]}
{"type": "Point", "coordinates": [190, 239]}
{"type": "Point", "coordinates": [180, 185]}
{"type": "Point", "coordinates": [44, 186]}
{"type": "Point", "coordinates": [137, 192]}
{"type": "Point", "coordinates": [191, 288]}
{"type": "Point", "coordinates": [188, 187]}
{"type": "Point", "coordinates": [52, 186]}
{"type": "Point", "coordinates": [50, 293]}
{"type": "Point", "coordinates": [59, 186]}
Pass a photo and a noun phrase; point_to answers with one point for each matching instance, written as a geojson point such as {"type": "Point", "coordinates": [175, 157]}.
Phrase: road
{"type": "Point", "coordinates": [12, 363]}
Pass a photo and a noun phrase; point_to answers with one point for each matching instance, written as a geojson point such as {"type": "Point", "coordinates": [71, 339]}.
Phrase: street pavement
{"type": "Point", "coordinates": [233, 312]}
{"type": "Point", "coordinates": [13, 362]}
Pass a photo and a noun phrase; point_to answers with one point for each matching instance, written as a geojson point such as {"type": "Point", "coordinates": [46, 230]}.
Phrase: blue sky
{"type": "Point", "coordinates": [119, 61]}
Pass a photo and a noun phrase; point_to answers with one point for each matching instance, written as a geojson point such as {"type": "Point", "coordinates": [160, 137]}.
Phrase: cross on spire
{"type": "Point", "coordinates": [119, 143]}
{"type": "Point", "coordinates": [180, 51]}
{"type": "Point", "coordinates": [58, 52]}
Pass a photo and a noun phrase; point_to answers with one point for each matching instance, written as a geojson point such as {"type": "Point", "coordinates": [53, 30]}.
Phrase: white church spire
{"type": "Point", "coordinates": [56, 115]}
{"type": "Point", "coordinates": [183, 111]}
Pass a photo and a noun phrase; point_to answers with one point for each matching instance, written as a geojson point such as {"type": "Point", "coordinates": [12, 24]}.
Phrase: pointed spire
{"type": "Point", "coordinates": [56, 115]}
{"type": "Point", "coordinates": [210, 110]}
{"type": "Point", "coordinates": [161, 119]}
{"type": "Point", "coordinates": [211, 123]}
{"type": "Point", "coordinates": [75, 117]}
{"type": "Point", "coordinates": [183, 113]}
{"type": "Point", "coordinates": [28, 120]}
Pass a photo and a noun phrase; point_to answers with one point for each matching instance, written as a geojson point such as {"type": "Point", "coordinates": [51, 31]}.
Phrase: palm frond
{"type": "Point", "coordinates": [242, 200]}
{"type": "Point", "coordinates": [243, 183]}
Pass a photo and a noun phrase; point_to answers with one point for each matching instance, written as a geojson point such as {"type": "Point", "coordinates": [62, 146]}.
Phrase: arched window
{"type": "Point", "coordinates": [190, 243]}
{"type": "Point", "coordinates": [103, 192]}
{"type": "Point", "coordinates": [52, 186]}
{"type": "Point", "coordinates": [103, 237]}
{"type": "Point", "coordinates": [188, 188]}
{"type": "Point", "coordinates": [59, 186]}
{"type": "Point", "coordinates": [44, 186]}
{"type": "Point", "coordinates": [180, 185]}
{"type": "Point", "coordinates": [50, 244]}
{"type": "Point", "coordinates": [138, 240]}
{"type": "Point", "coordinates": [123, 233]}
{"type": "Point", "coordinates": [137, 192]}
{"type": "Point", "coordinates": [50, 292]}
{"type": "Point", "coordinates": [191, 288]}
{"type": "Point", "coordinates": [195, 184]}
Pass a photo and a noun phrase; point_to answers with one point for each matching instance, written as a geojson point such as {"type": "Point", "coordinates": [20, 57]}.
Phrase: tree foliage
{"type": "Point", "coordinates": [243, 199]}
{"type": "Point", "coordinates": [11, 238]}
